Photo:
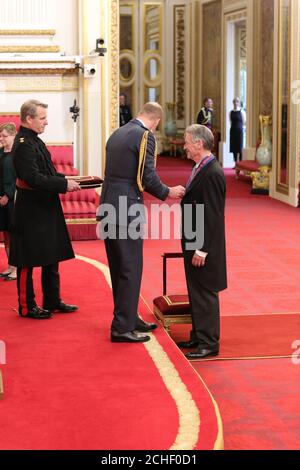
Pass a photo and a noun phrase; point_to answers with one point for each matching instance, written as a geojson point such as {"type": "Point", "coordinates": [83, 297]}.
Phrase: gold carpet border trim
{"type": "Point", "coordinates": [219, 443]}
{"type": "Point", "coordinates": [1, 386]}
{"type": "Point", "coordinates": [189, 418]}
{"type": "Point", "coordinates": [87, 221]}
{"type": "Point", "coordinates": [243, 358]}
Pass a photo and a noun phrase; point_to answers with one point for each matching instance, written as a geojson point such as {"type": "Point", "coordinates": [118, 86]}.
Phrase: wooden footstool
{"type": "Point", "coordinates": [173, 308]}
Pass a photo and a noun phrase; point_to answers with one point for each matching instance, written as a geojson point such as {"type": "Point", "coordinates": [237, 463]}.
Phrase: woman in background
{"type": "Point", "coordinates": [7, 190]}
{"type": "Point", "coordinates": [238, 121]}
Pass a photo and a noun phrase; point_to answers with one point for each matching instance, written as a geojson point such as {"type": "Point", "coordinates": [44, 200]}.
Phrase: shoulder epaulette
{"type": "Point", "coordinates": [142, 159]}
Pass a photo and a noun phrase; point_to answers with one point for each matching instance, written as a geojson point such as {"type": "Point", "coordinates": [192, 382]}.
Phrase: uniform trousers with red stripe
{"type": "Point", "coordinates": [50, 287]}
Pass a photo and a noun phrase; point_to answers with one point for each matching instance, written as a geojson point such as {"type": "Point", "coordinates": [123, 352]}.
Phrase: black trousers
{"type": "Point", "coordinates": [50, 286]}
{"type": "Point", "coordinates": [125, 260]}
{"type": "Point", "coordinates": [237, 157]}
{"type": "Point", "coordinates": [204, 307]}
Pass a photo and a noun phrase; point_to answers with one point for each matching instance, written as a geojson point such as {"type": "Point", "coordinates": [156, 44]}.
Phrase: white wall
{"type": "Point", "coordinates": [60, 15]}
{"type": "Point", "coordinates": [60, 128]}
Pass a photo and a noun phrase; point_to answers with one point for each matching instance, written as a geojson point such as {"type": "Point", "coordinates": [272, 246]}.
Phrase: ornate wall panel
{"type": "Point", "coordinates": [180, 61]}
{"type": "Point", "coordinates": [266, 57]}
{"type": "Point", "coordinates": [114, 65]}
{"type": "Point", "coordinates": [212, 55]}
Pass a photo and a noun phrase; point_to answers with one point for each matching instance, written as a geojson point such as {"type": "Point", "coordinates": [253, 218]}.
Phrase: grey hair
{"type": "Point", "coordinates": [199, 132]}
{"type": "Point", "coordinates": [29, 108]}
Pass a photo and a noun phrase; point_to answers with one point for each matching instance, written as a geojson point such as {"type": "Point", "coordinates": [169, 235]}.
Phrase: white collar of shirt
{"type": "Point", "coordinates": [138, 119]}
{"type": "Point", "coordinates": [197, 164]}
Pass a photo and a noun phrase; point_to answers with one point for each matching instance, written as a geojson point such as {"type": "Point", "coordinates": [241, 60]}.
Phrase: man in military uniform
{"type": "Point", "coordinates": [206, 114]}
{"type": "Point", "coordinates": [130, 169]}
{"type": "Point", "coordinates": [39, 232]}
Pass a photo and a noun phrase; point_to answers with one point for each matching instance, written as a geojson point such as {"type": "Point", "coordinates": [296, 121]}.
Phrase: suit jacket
{"type": "Point", "coordinates": [122, 160]}
{"type": "Point", "coordinates": [39, 233]}
{"type": "Point", "coordinates": [208, 188]}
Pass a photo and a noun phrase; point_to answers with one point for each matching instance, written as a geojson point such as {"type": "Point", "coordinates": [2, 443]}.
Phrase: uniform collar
{"type": "Point", "coordinates": [28, 132]}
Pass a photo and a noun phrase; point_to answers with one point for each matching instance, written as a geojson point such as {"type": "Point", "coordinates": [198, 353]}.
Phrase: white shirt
{"type": "Point", "coordinates": [203, 254]}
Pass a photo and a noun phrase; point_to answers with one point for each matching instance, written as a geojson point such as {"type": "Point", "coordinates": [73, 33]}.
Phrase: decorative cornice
{"type": "Point", "coordinates": [21, 61]}
{"type": "Point", "coordinates": [37, 71]}
{"type": "Point", "coordinates": [27, 32]}
{"type": "Point", "coordinates": [25, 48]}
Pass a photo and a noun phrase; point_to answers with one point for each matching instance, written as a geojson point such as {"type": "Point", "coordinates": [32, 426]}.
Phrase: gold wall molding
{"type": "Point", "coordinates": [37, 71]}
{"type": "Point", "coordinates": [237, 15]}
{"type": "Point", "coordinates": [27, 32]}
{"type": "Point", "coordinates": [114, 65]}
{"type": "Point", "coordinates": [21, 61]}
{"type": "Point", "coordinates": [25, 48]}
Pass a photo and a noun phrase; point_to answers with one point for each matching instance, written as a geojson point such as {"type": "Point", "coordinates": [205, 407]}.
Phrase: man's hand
{"type": "Point", "coordinates": [198, 261]}
{"type": "Point", "coordinates": [176, 192]}
{"type": "Point", "coordinates": [3, 200]}
{"type": "Point", "coordinates": [73, 186]}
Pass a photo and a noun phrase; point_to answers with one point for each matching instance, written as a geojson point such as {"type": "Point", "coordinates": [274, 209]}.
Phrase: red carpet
{"type": "Point", "coordinates": [68, 387]}
{"type": "Point", "coordinates": [251, 336]}
{"type": "Point", "coordinates": [56, 375]}
{"type": "Point", "coordinates": [261, 280]}
{"type": "Point", "coordinates": [258, 400]}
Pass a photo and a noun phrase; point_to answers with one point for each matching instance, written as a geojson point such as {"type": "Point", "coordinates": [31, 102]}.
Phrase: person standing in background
{"type": "Point", "coordinates": [125, 111]}
{"type": "Point", "coordinates": [7, 190]}
{"type": "Point", "coordinates": [206, 114]}
{"type": "Point", "coordinates": [238, 121]}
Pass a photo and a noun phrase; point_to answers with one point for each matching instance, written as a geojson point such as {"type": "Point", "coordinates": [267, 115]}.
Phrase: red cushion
{"type": "Point", "coordinates": [248, 165]}
{"type": "Point", "coordinates": [173, 304]}
{"type": "Point", "coordinates": [6, 118]}
{"type": "Point", "coordinates": [66, 170]}
{"type": "Point", "coordinates": [61, 154]}
{"type": "Point", "coordinates": [85, 195]}
{"type": "Point", "coordinates": [78, 210]}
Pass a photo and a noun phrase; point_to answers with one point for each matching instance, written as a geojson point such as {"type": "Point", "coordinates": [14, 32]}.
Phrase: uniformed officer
{"type": "Point", "coordinates": [39, 233]}
{"type": "Point", "coordinates": [206, 114]}
{"type": "Point", "coordinates": [130, 169]}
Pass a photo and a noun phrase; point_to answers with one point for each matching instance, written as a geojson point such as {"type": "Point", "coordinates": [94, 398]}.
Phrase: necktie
{"type": "Point", "coordinates": [191, 176]}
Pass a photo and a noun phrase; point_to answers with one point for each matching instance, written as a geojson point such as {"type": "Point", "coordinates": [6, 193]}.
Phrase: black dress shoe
{"type": "Point", "coordinates": [201, 353]}
{"type": "Point", "coordinates": [64, 308]}
{"type": "Point", "coordinates": [4, 274]}
{"type": "Point", "coordinates": [37, 313]}
{"type": "Point", "coordinates": [187, 344]}
{"type": "Point", "coordinates": [129, 337]}
{"type": "Point", "coordinates": [143, 326]}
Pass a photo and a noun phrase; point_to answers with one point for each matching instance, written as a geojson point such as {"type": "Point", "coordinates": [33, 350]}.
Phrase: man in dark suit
{"type": "Point", "coordinates": [130, 169]}
{"type": "Point", "coordinates": [39, 234]}
{"type": "Point", "coordinates": [204, 257]}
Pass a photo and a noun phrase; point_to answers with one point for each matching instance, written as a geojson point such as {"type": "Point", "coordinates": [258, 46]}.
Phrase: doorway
{"type": "Point", "coordinates": [236, 79]}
